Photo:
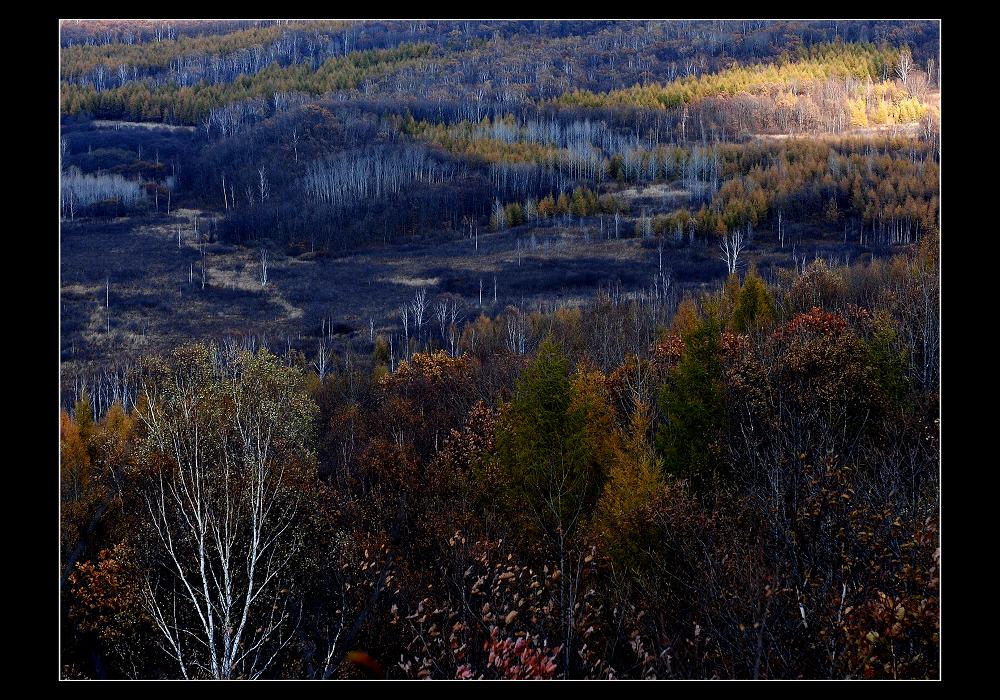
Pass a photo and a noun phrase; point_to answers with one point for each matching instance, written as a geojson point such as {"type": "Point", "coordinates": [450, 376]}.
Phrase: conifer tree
{"type": "Point", "coordinates": [692, 401]}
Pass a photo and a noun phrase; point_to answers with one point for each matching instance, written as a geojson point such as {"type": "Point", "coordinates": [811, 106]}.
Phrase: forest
{"type": "Point", "coordinates": [499, 349]}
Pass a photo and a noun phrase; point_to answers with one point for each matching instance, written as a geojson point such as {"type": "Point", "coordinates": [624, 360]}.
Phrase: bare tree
{"type": "Point", "coordinates": [457, 311]}
{"type": "Point", "coordinates": [419, 307]}
{"type": "Point", "coordinates": [441, 314]}
{"type": "Point", "coordinates": [263, 267]}
{"type": "Point", "coordinates": [499, 216]}
{"type": "Point", "coordinates": [404, 312]}
{"type": "Point", "coordinates": [517, 330]}
{"type": "Point", "coordinates": [322, 361]}
{"type": "Point", "coordinates": [340, 181]}
{"type": "Point", "coordinates": [263, 186]}
{"type": "Point", "coordinates": [530, 211]}
{"type": "Point", "coordinates": [85, 189]}
{"type": "Point", "coordinates": [904, 65]}
{"type": "Point", "coordinates": [732, 246]}
{"type": "Point", "coordinates": [455, 314]}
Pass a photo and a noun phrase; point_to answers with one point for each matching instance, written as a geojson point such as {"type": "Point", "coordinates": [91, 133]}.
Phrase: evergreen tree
{"type": "Point", "coordinates": [634, 484]}
{"type": "Point", "coordinates": [562, 204]}
{"type": "Point", "coordinates": [754, 306]}
{"type": "Point", "coordinates": [692, 402]}
{"type": "Point", "coordinates": [549, 464]}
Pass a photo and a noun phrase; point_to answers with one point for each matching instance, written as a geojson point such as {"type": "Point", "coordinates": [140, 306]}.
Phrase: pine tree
{"type": "Point", "coordinates": [562, 204]}
{"type": "Point", "coordinates": [634, 483]}
{"type": "Point", "coordinates": [549, 464]}
{"type": "Point", "coordinates": [832, 213]}
{"type": "Point", "coordinates": [547, 206]}
{"type": "Point", "coordinates": [755, 305]}
{"type": "Point", "coordinates": [692, 401]}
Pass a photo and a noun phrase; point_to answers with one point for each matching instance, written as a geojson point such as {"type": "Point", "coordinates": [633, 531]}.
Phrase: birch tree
{"type": "Point", "coordinates": [404, 313]}
{"type": "Point", "coordinates": [322, 361]}
{"type": "Point", "coordinates": [221, 471]}
{"type": "Point", "coordinates": [79, 189]}
{"type": "Point", "coordinates": [499, 217]}
{"type": "Point", "coordinates": [263, 185]}
{"type": "Point", "coordinates": [517, 330]}
{"type": "Point", "coordinates": [441, 314]}
{"type": "Point", "coordinates": [731, 247]}
{"type": "Point", "coordinates": [904, 65]}
{"type": "Point", "coordinates": [419, 307]}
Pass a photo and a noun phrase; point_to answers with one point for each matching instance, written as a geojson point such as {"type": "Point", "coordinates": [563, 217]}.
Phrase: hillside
{"type": "Point", "coordinates": [500, 349]}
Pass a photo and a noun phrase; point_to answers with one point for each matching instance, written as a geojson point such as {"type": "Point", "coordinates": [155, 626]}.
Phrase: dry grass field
{"type": "Point", "coordinates": [128, 287]}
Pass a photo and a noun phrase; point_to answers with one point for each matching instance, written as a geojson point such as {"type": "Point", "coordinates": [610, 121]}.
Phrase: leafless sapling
{"type": "Point", "coordinates": [419, 307]}
{"type": "Point", "coordinates": [731, 247]}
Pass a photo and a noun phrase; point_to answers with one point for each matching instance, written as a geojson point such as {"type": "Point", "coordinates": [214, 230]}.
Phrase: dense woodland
{"type": "Point", "coordinates": [729, 474]}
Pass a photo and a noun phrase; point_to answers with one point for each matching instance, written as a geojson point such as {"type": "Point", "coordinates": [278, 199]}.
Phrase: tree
{"type": "Point", "coordinates": [554, 445]}
{"type": "Point", "coordinates": [323, 357]}
{"type": "Point", "coordinates": [832, 213]}
{"type": "Point", "coordinates": [513, 214]}
{"type": "Point", "coordinates": [692, 402]}
{"type": "Point", "coordinates": [498, 220]}
{"type": "Point", "coordinates": [903, 65]}
{"type": "Point", "coordinates": [731, 247]}
{"type": "Point", "coordinates": [419, 306]}
{"type": "Point", "coordinates": [578, 203]}
{"type": "Point", "coordinates": [106, 606]}
{"type": "Point", "coordinates": [441, 314]}
{"type": "Point", "coordinates": [222, 467]}
{"type": "Point", "coordinates": [92, 459]}
{"type": "Point", "coordinates": [686, 317]}
{"type": "Point", "coordinates": [404, 314]}
{"type": "Point", "coordinates": [858, 113]}
{"type": "Point", "coordinates": [634, 483]}
{"type": "Point", "coordinates": [562, 204]}
{"type": "Point", "coordinates": [380, 355]}
{"type": "Point", "coordinates": [264, 188]}
{"type": "Point", "coordinates": [754, 305]}
{"type": "Point", "coordinates": [549, 461]}
{"type": "Point", "coordinates": [546, 206]}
